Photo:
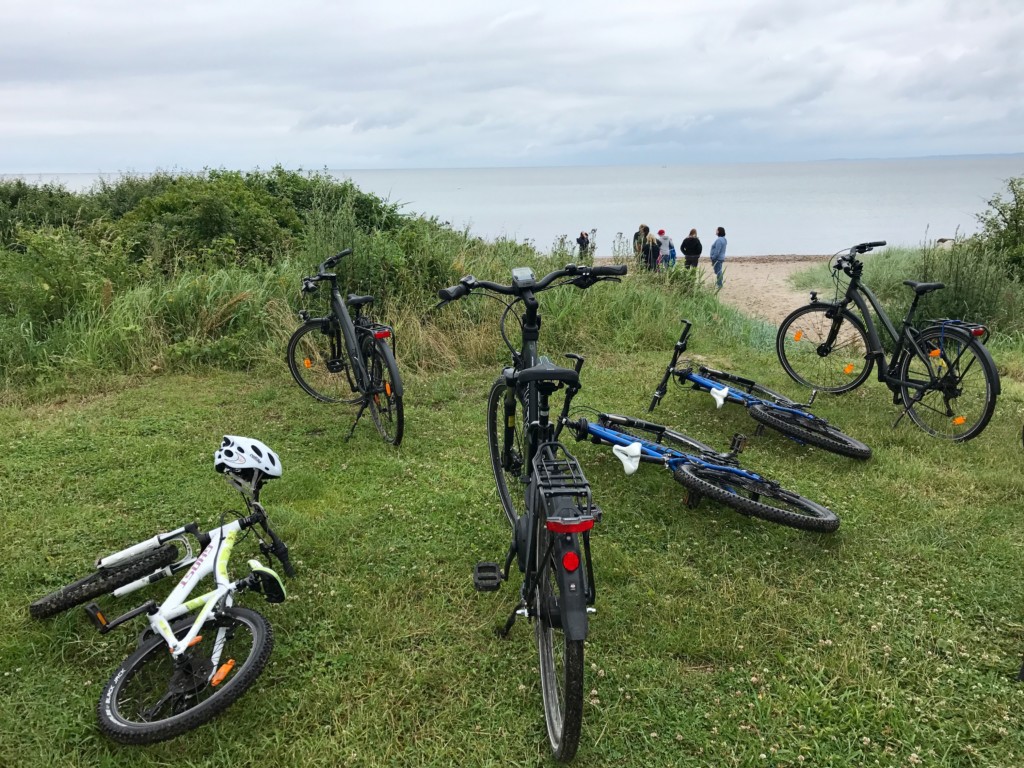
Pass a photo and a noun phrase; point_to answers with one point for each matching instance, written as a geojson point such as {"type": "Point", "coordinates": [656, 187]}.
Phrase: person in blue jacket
{"type": "Point", "coordinates": [718, 256]}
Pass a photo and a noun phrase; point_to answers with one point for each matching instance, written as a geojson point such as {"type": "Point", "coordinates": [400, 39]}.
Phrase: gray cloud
{"type": "Point", "coordinates": [111, 85]}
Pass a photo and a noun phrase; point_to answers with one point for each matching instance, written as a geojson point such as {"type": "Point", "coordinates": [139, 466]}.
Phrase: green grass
{"type": "Point", "coordinates": [718, 639]}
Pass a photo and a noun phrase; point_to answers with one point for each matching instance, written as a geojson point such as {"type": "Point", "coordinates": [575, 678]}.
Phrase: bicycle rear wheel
{"type": "Point", "coordinates": [757, 497]}
{"type": "Point", "coordinates": [803, 347]}
{"type": "Point", "coordinates": [560, 659]}
{"type": "Point", "coordinates": [957, 384]}
{"type": "Point", "coordinates": [809, 429]}
{"type": "Point", "coordinates": [385, 393]}
{"type": "Point", "coordinates": [153, 697]}
{"type": "Point", "coordinates": [507, 449]}
{"type": "Point", "coordinates": [319, 364]}
{"type": "Point", "coordinates": [102, 581]}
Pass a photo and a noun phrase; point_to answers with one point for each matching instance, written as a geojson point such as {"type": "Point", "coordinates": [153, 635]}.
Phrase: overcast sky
{"type": "Point", "coordinates": [113, 85]}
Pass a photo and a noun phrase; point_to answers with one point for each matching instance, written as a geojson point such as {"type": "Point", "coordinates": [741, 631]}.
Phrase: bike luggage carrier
{"type": "Point", "coordinates": [559, 474]}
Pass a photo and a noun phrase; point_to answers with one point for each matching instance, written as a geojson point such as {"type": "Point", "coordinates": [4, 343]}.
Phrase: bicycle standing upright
{"type": "Point", "coordinates": [942, 374]}
{"type": "Point", "coordinates": [545, 497]}
{"type": "Point", "coordinates": [344, 359]}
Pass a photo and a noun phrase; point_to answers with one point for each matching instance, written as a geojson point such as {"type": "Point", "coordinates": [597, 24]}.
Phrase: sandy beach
{"type": "Point", "coordinates": [759, 284]}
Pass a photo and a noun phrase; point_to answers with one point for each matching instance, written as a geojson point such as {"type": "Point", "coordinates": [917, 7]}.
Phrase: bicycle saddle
{"type": "Point", "coordinates": [357, 301]}
{"type": "Point", "coordinates": [545, 370]}
{"type": "Point", "coordinates": [629, 455]}
{"type": "Point", "coordinates": [922, 288]}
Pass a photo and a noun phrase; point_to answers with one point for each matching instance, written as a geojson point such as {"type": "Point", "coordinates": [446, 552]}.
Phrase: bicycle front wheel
{"type": "Point", "coordinates": [757, 497]}
{"type": "Point", "coordinates": [824, 348]}
{"type": "Point", "coordinates": [319, 364]}
{"type": "Point", "coordinates": [385, 393]}
{"type": "Point", "coordinates": [507, 449]}
{"type": "Point", "coordinates": [561, 660]}
{"type": "Point", "coordinates": [153, 697]}
{"type": "Point", "coordinates": [808, 428]}
{"type": "Point", "coordinates": [953, 384]}
{"type": "Point", "coordinates": [102, 581]}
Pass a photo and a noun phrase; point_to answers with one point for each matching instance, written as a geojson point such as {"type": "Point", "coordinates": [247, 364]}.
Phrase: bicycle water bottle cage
{"type": "Point", "coordinates": [720, 395]}
{"type": "Point", "coordinates": [629, 455]}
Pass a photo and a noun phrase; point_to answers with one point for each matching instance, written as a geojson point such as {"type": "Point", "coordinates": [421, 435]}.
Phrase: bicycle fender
{"type": "Point", "coordinates": [572, 588]}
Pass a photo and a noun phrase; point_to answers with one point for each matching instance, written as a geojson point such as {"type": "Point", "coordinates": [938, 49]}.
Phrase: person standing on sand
{"type": "Point", "coordinates": [691, 249]}
{"type": "Point", "coordinates": [668, 249]}
{"type": "Point", "coordinates": [718, 256]}
{"type": "Point", "coordinates": [650, 251]}
{"type": "Point", "coordinates": [584, 242]}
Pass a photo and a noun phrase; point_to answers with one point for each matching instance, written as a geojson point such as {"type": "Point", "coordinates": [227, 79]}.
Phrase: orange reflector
{"type": "Point", "coordinates": [101, 618]}
{"type": "Point", "coordinates": [223, 672]}
{"type": "Point", "coordinates": [308, 363]}
{"type": "Point", "coordinates": [798, 335]}
{"type": "Point", "coordinates": [848, 369]}
{"type": "Point", "coordinates": [935, 353]}
{"type": "Point", "coordinates": [570, 561]}
{"type": "Point", "coordinates": [195, 641]}
{"type": "Point", "coordinates": [387, 388]}
{"type": "Point", "coordinates": [959, 420]}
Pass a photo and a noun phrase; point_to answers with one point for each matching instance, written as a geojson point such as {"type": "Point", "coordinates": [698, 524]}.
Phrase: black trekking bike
{"type": "Point", "coordinates": [346, 358]}
{"type": "Point", "coordinates": [768, 408]}
{"type": "Point", "coordinates": [942, 373]}
{"type": "Point", "coordinates": [544, 495]}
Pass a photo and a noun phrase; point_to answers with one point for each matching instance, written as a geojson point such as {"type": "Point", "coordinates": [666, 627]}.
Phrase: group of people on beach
{"type": "Point", "coordinates": [659, 251]}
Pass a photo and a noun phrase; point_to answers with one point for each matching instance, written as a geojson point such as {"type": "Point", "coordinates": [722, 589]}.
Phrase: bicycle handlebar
{"type": "Point", "coordinates": [586, 276]}
{"type": "Point", "coordinates": [328, 263]}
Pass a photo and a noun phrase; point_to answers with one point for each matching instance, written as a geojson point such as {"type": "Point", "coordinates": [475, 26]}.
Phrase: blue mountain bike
{"type": "Point", "coordinates": [703, 470]}
{"type": "Point", "coordinates": [766, 407]}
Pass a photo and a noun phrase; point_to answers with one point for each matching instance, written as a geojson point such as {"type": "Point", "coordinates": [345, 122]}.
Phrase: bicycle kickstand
{"type": "Point", "coordinates": [519, 610]}
{"type": "Point", "coordinates": [359, 415]}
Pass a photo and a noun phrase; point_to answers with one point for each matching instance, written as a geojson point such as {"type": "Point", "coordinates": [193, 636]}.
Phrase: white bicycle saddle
{"type": "Point", "coordinates": [629, 455]}
{"type": "Point", "coordinates": [720, 395]}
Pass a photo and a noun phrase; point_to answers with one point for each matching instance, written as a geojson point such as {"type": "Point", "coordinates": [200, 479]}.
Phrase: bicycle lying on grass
{"type": "Point", "coordinates": [765, 406]}
{"type": "Point", "coordinates": [345, 359]}
{"type": "Point", "coordinates": [545, 497]}
{"type": "Point", "coordinates": [215, 655]}
{"type": "Point", "coordinates": [942, 374]}
{"type": "Point", "coordinates": [704, 471]}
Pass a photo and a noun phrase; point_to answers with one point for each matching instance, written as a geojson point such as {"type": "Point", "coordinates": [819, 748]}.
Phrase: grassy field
{"type": "Point", "coordinates": [719, 640]}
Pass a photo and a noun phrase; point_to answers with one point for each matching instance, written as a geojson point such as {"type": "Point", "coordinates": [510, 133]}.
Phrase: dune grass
{"type": "Point", "coordinates": [719, 640]}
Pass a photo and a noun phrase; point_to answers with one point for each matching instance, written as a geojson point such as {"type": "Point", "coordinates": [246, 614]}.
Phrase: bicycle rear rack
{"type": "Point", "coordinates": [559, 475]}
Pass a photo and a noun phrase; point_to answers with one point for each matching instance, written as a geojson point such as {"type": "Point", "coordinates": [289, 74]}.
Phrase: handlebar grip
{"type": "Point", "coordinates": [617, 270]}
{"type": "Point", "coordinates": [876, 244]}
{"type": "Point", "coordinates": [453, 293]}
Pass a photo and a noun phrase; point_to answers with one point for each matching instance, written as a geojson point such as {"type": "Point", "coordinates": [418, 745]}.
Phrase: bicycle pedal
{"type": "Point", "coordinates": [97, 618]}
{"type": "Point", "coordinates": [487, 577]}
{"type": "Point", "coordinates": [336, 365]}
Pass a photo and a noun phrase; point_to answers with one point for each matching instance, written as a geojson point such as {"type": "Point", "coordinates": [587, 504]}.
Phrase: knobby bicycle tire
{"type": "Point", "coordinates": [809, 429]}
{"type": "Point", "coordinates": [386, 408]}
{"type": "Point", "coordinates": [798, 345]}
{"type": "Point", "coordinates": [560, 661]}
{"type": "Point", "coordinates": [729, 489]}
{"type": "Point", "coordinates": [507, 480]}
{"type": "Point", "coordinates": [150, 672]}
{"type": "Point", "coordinates": [102, 581]}
{"type": "Point", "coordinates": [310, 359]}
{"type": "Point", "coordinates": [959, 405]}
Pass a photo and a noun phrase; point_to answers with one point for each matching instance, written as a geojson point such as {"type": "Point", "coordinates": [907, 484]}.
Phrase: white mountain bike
{"type": "Point", "coordinates": [217, 649]}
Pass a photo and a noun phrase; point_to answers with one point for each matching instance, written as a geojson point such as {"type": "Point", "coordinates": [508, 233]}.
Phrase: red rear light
{"type": "Point", "coordinates": [977, 331]}
{"type": "Point", "coordinates": [578, 526]}
{"type": "Point", "coordinates": [570, 561]}
{"type": "Point", "coordinates": [385, 334]}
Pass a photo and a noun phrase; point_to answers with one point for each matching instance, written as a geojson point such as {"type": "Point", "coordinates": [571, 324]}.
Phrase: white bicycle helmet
{"type": "Point", "coordinates": [246, 459]}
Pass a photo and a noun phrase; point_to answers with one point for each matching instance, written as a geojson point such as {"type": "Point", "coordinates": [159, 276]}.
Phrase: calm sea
{"type": "Point", "coordinates": [766, 208]}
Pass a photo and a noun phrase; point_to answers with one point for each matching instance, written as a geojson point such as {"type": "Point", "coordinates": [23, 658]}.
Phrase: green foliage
{"type": "Point", "coordinates": [1003, 226]}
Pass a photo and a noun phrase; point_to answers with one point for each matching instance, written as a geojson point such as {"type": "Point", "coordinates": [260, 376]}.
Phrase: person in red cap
{"type": "Point", "coordinates": [668, 250]}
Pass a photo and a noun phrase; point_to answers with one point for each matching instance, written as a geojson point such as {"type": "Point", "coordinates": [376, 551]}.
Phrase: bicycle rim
{"type": "Point", "coordinates": [152, 697]}
{"type": "Point", "coordinates": [386, 407]}
{"type": "Point", "coordinates": [507, 457]}
{"type": "Point", "coordinates": [758, 498]}
{"type": "Point", "coordinates": [801, 348]}
{"type": "Point", "coordinates": [319, 364]}
{"type": "Point", "coordinates": [560, 662]}
{"type": "Point", "coordinates": [957, 392]}
{"type": "Point", "coordinates": [807, 428]}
